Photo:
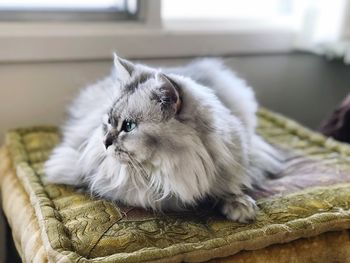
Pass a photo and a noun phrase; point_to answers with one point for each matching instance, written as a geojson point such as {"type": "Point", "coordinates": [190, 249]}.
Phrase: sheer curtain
{"type": "Point", "coordinates": [325, 28]}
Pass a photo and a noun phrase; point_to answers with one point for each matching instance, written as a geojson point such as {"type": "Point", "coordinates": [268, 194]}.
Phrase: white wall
{"type": "Point", "coordinates": [34, 94]}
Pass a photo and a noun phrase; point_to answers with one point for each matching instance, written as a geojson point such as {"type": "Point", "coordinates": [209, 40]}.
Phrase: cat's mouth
{"type": "Point", "coordinates": [122, 155]}
{"type": "Point", "coordinates": [119, 153]}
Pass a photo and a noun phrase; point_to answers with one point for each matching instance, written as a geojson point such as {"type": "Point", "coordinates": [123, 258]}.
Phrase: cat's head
{"type": "Point", "coordinates": [144, 120]}
{"type": "Point", "coordinates": [173, 133]}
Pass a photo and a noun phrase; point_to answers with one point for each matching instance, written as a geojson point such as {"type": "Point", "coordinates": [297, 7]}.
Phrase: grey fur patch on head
{"type": "Point", "coordinates": [136, 81]}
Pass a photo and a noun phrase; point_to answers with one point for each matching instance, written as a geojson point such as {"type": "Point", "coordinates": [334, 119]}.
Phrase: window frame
{"type": "Point", "coordinates": [61, 15]}
{"type": "Point", "coordinates": [68, 15]}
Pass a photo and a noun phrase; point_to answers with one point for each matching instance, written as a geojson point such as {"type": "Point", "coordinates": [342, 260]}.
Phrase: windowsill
{"type": "Point", "coordinates": [229, 24]}
{"type": "Point", "coordinates": [86, 41]}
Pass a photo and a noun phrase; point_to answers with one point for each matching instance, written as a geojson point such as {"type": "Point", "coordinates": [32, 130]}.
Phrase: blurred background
{"type": "Point", "coordinates": [294, 53]}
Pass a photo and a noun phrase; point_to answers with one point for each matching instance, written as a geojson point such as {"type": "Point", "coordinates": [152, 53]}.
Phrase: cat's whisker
{"type": "Point", "coordinates": [143, 173]}
{"type": "Point", "coordinates": [139, 168]}
{"type": "Point", "coordinates": [133, 179]}
{"type": "Point", "coordinates": [151, 184]}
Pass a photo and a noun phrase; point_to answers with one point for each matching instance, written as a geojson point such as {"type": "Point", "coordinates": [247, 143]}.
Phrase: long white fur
{"type": "Point", "coordinates": [184, 168]}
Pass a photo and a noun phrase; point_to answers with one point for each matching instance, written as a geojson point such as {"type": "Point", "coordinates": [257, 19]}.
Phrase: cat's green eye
{"type": "Point", "coordinates": [128, 125]}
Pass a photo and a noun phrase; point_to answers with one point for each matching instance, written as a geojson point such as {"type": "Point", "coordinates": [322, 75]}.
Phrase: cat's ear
{"type": "Point", "coordinates": [123, 67]}
{"type": "Point", "coordinates": [170, 94]}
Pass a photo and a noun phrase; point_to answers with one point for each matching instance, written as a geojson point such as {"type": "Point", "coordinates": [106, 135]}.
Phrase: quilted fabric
{"type": "Point", "coordinates": [312, 198]}
{"type": "Point", "coordinates": [20, 213]}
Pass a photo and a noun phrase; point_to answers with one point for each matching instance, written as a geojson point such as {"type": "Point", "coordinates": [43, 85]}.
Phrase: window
{"type": "Point", "coordinates": [46, 30]}
{"type": "Point", "coordinates": [67, 10]}
{"type": "Point", "coordinates": [232, 14]}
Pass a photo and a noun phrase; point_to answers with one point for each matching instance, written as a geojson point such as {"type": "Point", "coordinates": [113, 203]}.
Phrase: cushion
{"type": "Point", "coordinates": [57, 223]}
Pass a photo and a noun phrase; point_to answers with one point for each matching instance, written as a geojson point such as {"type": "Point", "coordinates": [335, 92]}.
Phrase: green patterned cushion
{"type": "Point", "coordinates": [313, 197]}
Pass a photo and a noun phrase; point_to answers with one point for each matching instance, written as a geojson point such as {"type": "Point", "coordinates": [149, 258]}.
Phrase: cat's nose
{"type": "Point", "coordinates": [108, 141]}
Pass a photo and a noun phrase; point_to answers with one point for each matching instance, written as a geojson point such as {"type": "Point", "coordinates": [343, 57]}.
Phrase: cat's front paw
{"type": "Point", "coordinates": [241, 209]}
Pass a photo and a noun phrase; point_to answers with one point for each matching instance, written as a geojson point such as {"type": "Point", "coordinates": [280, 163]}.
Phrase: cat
{"type": "Point", "coordinates": [165, 139]}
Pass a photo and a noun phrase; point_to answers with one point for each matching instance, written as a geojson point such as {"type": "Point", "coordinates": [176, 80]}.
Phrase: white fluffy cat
{"type": "Point", "coordinates": [165, 139]}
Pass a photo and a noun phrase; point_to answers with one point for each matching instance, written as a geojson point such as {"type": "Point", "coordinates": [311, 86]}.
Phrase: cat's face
{"type": "Point", "coordinates": [142, 120]}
